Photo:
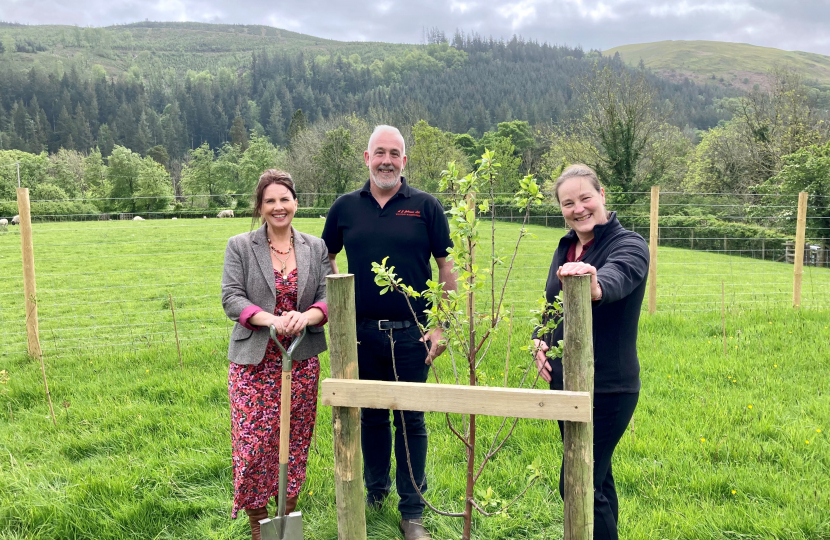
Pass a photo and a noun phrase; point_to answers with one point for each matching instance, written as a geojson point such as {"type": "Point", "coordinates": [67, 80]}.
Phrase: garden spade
{"type": "Point", "coordinates": [284, 527]}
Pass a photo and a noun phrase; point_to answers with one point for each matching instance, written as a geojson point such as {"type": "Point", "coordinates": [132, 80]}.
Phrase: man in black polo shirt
{"type": "Point", "coordinates": [387, 217]}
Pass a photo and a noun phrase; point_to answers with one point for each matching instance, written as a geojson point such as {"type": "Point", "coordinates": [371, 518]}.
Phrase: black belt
{"type": "Point", "coordinates": [384, 324]}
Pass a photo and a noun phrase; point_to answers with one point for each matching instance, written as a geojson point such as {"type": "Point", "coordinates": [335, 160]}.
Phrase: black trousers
{"type": "Point", "coordinates": [612, 413]}
{"type": "Point", "coordinates": [374, 358]}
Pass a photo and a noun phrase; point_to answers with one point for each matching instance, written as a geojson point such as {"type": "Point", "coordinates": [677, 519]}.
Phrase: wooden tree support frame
{"type": "Point", "coordinates": [348, 456]}
{"type": "Point", "coordinates": [447, 398]}
{"type": "Point", "coordinates": [345, 394]}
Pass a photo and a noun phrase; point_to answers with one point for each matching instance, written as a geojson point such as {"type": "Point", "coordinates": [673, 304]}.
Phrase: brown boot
{"type": "Point", "coordinates": [413, 529]}
{"type": "Point", "coordinates": [291, 504]}
{"type": "Point", "coordinates": [254, 517]}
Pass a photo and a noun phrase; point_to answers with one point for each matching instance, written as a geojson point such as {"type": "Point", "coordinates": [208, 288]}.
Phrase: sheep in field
{"type": "Point", "coordinates": [138, 218]}
{"type": "Point", "coordinates": [4, 222]}
{"type": "Point", "coordinates": [225, 213]}
{"type": "Point", "coordinates": [173, 218]}
{"type": "Point", "coordinates": [16, 220]}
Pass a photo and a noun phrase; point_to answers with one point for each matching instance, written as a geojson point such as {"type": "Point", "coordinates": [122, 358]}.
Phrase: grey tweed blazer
{"type": "Point", "coordinates": [248, 278]}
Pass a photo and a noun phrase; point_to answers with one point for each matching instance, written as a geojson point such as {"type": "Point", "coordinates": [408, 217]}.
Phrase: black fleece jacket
{"type": "Point", "coordinates": [621, 258]}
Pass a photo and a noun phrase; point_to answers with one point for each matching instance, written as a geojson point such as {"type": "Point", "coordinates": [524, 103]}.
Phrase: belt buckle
{"type": "Point", "coordinates": [381, 322]}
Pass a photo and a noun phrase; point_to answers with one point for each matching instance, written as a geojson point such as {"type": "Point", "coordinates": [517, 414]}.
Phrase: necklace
{"type": "Point", "coordinates": [277, 253]}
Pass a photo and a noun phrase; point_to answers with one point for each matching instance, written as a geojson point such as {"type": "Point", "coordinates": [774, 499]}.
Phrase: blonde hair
{"type": "Point", "coordinates": [577, 170]}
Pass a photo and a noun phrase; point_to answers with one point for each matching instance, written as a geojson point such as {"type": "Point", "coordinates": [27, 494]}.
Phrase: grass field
{"type": "Point", "coordinates": [699, 60]}
{"type": "Point", "coordinates": [105, 285]}
{"type": "Point", "coordinates": [721, 446]}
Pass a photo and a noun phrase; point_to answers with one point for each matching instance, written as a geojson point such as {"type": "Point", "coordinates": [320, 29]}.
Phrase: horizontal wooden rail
{"type": "Point", "coordinates": [428, 397]}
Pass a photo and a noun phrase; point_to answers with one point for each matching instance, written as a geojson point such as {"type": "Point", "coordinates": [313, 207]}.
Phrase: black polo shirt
{"type": "Point", "coordinates": [410, 229]}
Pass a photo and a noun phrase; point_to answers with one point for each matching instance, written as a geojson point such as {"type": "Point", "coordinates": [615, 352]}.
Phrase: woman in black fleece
{"type": "Point", "coordinates": [617, 260]}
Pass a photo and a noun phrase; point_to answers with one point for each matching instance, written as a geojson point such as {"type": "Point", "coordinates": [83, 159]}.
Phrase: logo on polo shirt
{"type": "Point", "coordinates": [413, 213]}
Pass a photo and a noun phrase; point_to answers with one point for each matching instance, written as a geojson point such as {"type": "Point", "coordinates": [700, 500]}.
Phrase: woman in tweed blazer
{"type": "Point", "coordinates": [274, 275]}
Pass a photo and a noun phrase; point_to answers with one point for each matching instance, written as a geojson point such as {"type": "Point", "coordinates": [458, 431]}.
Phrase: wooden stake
{"type": "Point", "coordinates": [652, 248]}
{"type": "Point", "coordinates": [348, 456]}
{"type": "Point", "coordinates": [30, 289]}
{"type": "Point", "coordinates": [176, 331]}
{"type": "Point", "coordinates": [509, 335]}
{"type": "Point", "coordinates": [723, 313]}
{"type": "Point", "coordinates": [578, 368]}
{"type": "Point", "coordinates": [29, 286]}
{"type": "Point", "coordinates": [798, 258]}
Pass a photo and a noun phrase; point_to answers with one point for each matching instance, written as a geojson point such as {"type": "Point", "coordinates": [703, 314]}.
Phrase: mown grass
{"type": "Point", "coordinates": [142, 448]}
{"type": "Point", "coordinates": [107, 284]}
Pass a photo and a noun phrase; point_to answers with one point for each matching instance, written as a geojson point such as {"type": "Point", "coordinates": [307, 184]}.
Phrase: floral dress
{"type": "Point", "coordinates": [255, 415]}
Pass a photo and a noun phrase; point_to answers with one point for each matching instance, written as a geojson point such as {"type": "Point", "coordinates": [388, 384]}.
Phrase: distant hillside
{"type": "Point", "coordinates": [181, 46]}
{"type": "Point", "coordinates": [729, 64]}
{"type": "Point", "coordinates": [179, 85]}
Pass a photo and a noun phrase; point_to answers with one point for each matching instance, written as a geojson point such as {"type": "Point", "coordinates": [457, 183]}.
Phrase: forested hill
{"type": "Point", "coordinates": [164, 45]}
{"type": "Point", "coordinates": [181, 84]}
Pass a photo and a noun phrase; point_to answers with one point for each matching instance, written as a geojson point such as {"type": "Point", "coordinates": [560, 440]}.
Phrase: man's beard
{"type": "Point", "coordinates": [382, 184]}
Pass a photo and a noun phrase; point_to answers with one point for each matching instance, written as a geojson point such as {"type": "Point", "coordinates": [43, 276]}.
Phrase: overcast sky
{"type": "Point", "coordinates": [785, 24]}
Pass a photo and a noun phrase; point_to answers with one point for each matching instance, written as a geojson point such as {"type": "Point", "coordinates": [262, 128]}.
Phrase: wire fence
{"type": "Point", "coordinates": [104, 287]}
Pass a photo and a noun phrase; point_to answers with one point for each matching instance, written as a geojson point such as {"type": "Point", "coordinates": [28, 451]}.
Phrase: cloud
{"type": "Point", "coordinates": [518, 12]}
{"type": "Point", "coordinates": [598, 24]}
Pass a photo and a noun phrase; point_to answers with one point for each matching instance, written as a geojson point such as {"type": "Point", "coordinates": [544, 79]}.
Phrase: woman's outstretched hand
{"type": "Point", "coordinates": [542, 364]}
{"type": "Point", "coordinates": [579, 269]}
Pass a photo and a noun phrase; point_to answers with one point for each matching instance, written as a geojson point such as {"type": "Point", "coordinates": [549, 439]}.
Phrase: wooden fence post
{"type": "Point", "coordinates": [652, 248]}
{"type": "Point", "coordinates": [578, 371]}
{"type": "Point", "coordinates": [348, 456]}
{"type": "Point", "coordinates": [30, 289]}
{"type": "Point", "coordinates": [798, 258]}
{"type": "Point", "coordinates": [29, 286]}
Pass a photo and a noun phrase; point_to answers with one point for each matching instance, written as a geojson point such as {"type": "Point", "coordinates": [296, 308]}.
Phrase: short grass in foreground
{"type": "Point", "coordinates": [720, 447]}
